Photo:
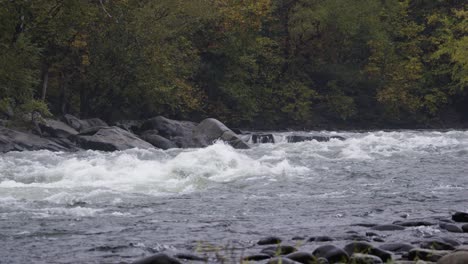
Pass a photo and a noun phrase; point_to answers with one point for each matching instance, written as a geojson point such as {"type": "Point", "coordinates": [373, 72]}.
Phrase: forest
{"type": "Point", "coordinates": [251, 63]}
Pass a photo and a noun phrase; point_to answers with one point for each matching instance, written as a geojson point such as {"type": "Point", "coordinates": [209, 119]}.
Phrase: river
{"type": "Point", "coordinates": [115, 207]}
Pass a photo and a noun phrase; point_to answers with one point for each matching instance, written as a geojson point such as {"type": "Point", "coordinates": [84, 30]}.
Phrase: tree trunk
{"type": "Point", "coordinates": [45, 83]}
{"type": "Point", "coordinates": [63, 93]}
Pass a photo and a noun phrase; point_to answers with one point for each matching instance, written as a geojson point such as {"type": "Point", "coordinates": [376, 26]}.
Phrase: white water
{"type": "Point", "coordinates": [404, 172]}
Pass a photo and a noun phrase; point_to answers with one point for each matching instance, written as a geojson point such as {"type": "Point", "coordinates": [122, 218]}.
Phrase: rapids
{"type": "Point", "coordinates": [110, 207]}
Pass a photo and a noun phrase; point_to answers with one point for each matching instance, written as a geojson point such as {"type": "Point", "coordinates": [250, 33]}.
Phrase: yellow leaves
{"type": "Point", "coordinates": [244, 15]}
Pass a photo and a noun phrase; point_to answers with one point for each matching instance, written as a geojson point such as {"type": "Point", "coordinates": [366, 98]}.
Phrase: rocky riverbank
{"type": "Point", "coordinates": [71, 133]}
{"type": "Point", "coordinates": [365, 247]}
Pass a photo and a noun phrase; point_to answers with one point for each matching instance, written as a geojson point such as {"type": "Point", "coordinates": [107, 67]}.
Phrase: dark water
{"type": "Point", "coordinates": [95, 207]}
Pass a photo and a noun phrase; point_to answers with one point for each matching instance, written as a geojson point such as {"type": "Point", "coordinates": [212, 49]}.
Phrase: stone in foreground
{"type": "Point", "coordinates": [111, 139]}
{"type": "Point", "coordinates": [211, 130]}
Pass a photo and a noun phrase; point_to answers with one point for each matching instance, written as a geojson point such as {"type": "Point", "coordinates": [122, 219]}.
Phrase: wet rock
{"type": "Point", "coordinates": [413, 223]}
{"type": "Point", "coordinates": [390, 227]}
{"type": "Point", "coordinates": [371, 234]}
{"type": "Point", "coordinates": [111, 139]}
{"type": "Point", "coordinates": [81, 125]}
{"type": "Point", "coordinates": [332, 253]}
{"type": "Point", "coordinates": [298, 238]}
{"type": "Point", "coordinates": [437, 244]}
{"type": "Point", "coordinates": [367, 248]}
{"type": "Point", "coordinates": [451, 228]}
{"type": "Point", "coordinates": [262, 138]}
{"type": "Point", "coordinates": [397, 247]}
{"type": "Point", "coordinates": [302, 138]}
{"type": "Point", "coordinates": [460, 257]}
{"type": "Point", "coordinates": [210, 130]}
{"type": "Point", "coordinates": [160, 258]}
{"type": "Point", "coordinates": [56, 129]}
{"type": "Point", "coordinates": [256, 257]}
{"type": "Point", "coordinates": [188, 256]}
{"type": "Point", "coordinates": [302, 257]}
{"type": "Point", "coordinates": [462, 248]}
{"type": "Point", "coordinates": [269, 240]}
{"type": "Point", "coordinates": [279, 250]}
{"type": "Point", "coordinates": [465, 228]}
{"type": "Point", "coordinates": [365, 224]}
{"type": "Point", "coordinates": [133, 126]}
{"type": "Point", "coordinates": [378, 239]}
{"type": "Point", "coordinates": [426, 254]}
{"type": "Point", "coordinates": [321, 239]}
{"type": "Point", "coordinates": [12, 140]}
{"type": "Point", "coordinates": [358, 258]}
{"type": "Point", "coordinates": [460, 217]}
{"type": "Point", "coordinates": [281, 261]}
{"type": "Point", "coordinates": [451, 241]}
{"type": "Point", "coordinates": [152, 137]}
{"type": "Point", "coordinates": [169, 128]}
{"type": "Point", "coordinates": [354, 237]}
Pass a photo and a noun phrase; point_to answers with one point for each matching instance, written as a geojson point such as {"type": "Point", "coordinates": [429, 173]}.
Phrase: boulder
{"type": "Point", "coordinates": [465, 228]}
{"type": "Point", "coordinates": [81, 125]}
{"type": "Point", "coordinates": [460, 217]}
{"type": "Point", "coordinates": [191, 257]}
{"type": "Point", "coordinates": [211, 130]}
{"type": "Point", "coordinates": [160, 258]}
{"type": "Point", "coordinates": [169, 128]}
{"type": "Point", "coordinates": [281, 261]}
{"type": "Point", "coordinates": [426, 254]}
{"type": "Point", "coordinates": [256, 257]}
{"type": "Point", "coordinates": [133, 126]}
{"type": "Point", "coordinates": [451, 228]}
{"type": "Point", "coordinates": [111, 139]}
{"type": "Point", "coordinates": [56, 129]}
{"type": "Point", "coordinates": [459, 257]}
{"type": "Point", "coordinates": [359, 258]}
{"type": "Point", "coordinates": [302, 138]}
{"type": "Point", "coordinates": [321, 239]}
{"type": "Point", "coordinates": [262, 138]}
{"type": "Point", "coordinates": [269, 241]}
{"type": "Point", "coordinates": [279, 250]}
{"type": "Point", "coordinates": [12, 140]}
{"type": "Point", "coordinates": [397, 247]}
{"type": "Point", "coordinates": [437, 244]}
{"type": "Point", "coordinates": [152, 137]}
{"type": "Point", "coordinates": [332, 253]}
{"type": "Point", "coordinates": [413, 223]}
{"type": "Point", "coordinates": [367, 248]}
{"type": "Point", "coordinates": [302, 257]}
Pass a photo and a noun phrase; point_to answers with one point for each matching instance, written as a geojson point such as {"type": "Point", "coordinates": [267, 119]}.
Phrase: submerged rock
{"type": "Point", "coordinates": [262, 138]}
{"type": "Point", "coordinates": [451, 228]}
{"type": "Point", "coordinates": [390, 227]}
{"type": "Point", "coordinates": [397, 247]}
{"type": "Point", "coordinates": [302, 138]}
{"type": "Point", "coordinates": [359, 258]}
{"type": "Point", "coordinates": [111, 139]}
{"type": "Point", "coordinates": [160, 258]}
{"type": "Point", "coordinates": [269, 241]}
